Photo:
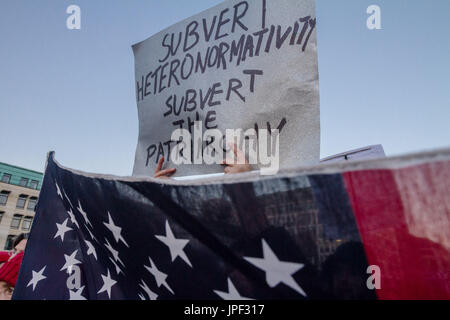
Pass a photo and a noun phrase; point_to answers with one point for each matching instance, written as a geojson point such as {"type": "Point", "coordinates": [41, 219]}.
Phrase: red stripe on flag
{"type": "Point", "coordinates": [403, 216]}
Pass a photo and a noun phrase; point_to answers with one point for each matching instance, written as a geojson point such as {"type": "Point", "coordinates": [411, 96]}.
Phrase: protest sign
{"type": "Point", "coordinates": [239, 65]}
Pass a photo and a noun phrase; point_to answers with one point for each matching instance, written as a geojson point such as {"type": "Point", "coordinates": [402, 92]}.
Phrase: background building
{"type": "Point", "coordinates": [19, 192]}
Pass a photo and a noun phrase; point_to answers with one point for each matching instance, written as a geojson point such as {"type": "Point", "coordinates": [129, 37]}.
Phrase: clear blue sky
{"type": "Point", "coordinates": [73, 91]}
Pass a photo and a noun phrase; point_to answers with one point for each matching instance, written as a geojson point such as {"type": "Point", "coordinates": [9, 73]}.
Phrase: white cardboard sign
{"type": "Point", "coordinates": [241, 64]}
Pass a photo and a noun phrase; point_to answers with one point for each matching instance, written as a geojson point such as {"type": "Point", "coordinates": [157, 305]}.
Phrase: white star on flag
{"type": "Point", "coordinates": [115, 230]}
{"type": "Point", "coordinates": [65, 195]}
{"type": "Point", "coordinates": [159, 276]}
{"type": "Point", "coordinates": [277, 271]}
{"type": "Point", "coordinates": [233, 294]}
{"type": "Point", "coordinates": [36, 277]}
{"type": "Point", "coordinates": [58, 191]}
{"type": "Point", "coordinates": [107, 284]}
{"type": "Point", "coordinates": [92, 236]}
{"type": "Point", "coordinates": [72, 218]}
{"type": "Point", "coordinates": [76, 295]}
{"type": "Point", "coordinates": [62, 229]}
{"type": "Point", "coordinates": [118, 270]}
{"type": "Point", "coordinates": [84, 214]}
{"type": "Point", "coordinates": [114, 252]}
{"type": "Point", "coordinates": [175, 245]}
{"type": "Point", "coordinates": [150, 293]}
{"type": "Point", "coordinates": [70, 262]}
{"type": "Point", "coordinates": [91, 249]}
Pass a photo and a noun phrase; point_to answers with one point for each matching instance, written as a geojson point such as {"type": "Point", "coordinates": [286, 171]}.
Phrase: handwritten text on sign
{"type": "Point", "coordinates": [241, 64]}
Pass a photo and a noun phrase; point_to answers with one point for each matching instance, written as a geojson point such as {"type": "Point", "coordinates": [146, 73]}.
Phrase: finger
{"type": "Point", "coordinates": [241, 158]}
{"type": "Point", "coordinates": [167, 176]}
{"type": "Point", "coordinates": [239, 155]}
{"type": "Point", "coordinates": [225, 162]}
{"type": "Point", "coordinates": [233, 147]}
{"type": "Point", "coordinates": [171, 173]}
{"type": "Point", "coordinates": [159, 165]}
{"type": "Point", "coordinates": [229, 162]}
{"type": "Point", "coordinates": [165, 172]}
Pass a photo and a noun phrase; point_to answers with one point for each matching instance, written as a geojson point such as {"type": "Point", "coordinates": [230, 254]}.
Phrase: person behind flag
{"type": "Point", "coordinates": [10, 265]}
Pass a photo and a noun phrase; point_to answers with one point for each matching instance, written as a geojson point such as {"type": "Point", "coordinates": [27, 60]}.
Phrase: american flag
{"type": "Point", "coordinates": [99, 238]}
{"type": "Point", "coordinates": [298, 235]}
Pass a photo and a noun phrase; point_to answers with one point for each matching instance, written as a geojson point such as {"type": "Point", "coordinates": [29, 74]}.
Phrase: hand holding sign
{"type": "Point", "coordinates": [163, 174]}
{"type": "Point", "coordinates": [238, 163]}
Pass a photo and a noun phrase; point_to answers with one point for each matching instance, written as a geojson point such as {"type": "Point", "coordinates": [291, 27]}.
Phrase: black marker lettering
{"type": "Point", "coordinates": [189, 33]}
{"type": "Point", "coordinates": [238, 16]}
{"type": "Point", "coordinates": [221, 23]}
{"type": "Point", "coordinates": [205, 28]}
{"type": "Point", "coordinates": [253, 74]}
{"type": "Point", "coordinates": [150, 152]}
{"type": "Point", "coordinates": [234, 88]}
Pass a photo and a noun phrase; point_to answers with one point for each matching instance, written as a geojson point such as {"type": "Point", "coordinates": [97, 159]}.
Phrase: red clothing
{"type": "Point", "coordinates": [10, 269]}
{"type": "Point", "coordinates": [4, 256]}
